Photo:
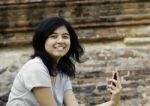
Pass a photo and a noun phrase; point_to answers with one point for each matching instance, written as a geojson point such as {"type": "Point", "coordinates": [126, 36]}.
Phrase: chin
{"type": "Point", "coordinates": [60, 55]}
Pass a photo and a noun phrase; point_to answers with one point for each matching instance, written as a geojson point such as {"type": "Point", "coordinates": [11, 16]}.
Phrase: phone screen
{"type": "Point", "coordinates": [114, 76]}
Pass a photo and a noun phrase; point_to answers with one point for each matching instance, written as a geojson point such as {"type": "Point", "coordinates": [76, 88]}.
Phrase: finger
{"type": "Point", "coordinates": [114, 75]}
{"type": "Point", "coordinates": [111, 80]}
{"type": "Point", "coordinates": [111, 87]}
{"type": "Point", "coordinates": [110, 90]}
{"type": "Point", "coordinates": [118, 84]}
{"type": "Point", "coordinates": [118, 80]}
{"type": "Point", "coordinates": [114, 83]}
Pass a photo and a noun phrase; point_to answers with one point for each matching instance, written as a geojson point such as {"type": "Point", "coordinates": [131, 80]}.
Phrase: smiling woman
{"type": "Point", "coordinates": [45, 79]}
{"type": "Point", "coordinates": [58, 43]}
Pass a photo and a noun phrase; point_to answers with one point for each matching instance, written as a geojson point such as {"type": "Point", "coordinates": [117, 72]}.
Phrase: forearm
{"type": "Point", "coordinates": [109, 103]}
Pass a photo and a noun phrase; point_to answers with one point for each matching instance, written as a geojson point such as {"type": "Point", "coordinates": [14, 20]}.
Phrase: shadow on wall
{"type": "Point", "coordinates": [4, 99]}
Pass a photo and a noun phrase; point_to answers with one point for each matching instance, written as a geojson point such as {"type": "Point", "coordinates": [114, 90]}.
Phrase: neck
{"type": "Point", "coordinates": [54, 66]}
{"type": "Point", "coordinates": [54, 62]}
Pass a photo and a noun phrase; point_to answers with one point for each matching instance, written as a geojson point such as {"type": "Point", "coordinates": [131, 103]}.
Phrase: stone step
{"type": "Point", "coordinates": [23, 25]}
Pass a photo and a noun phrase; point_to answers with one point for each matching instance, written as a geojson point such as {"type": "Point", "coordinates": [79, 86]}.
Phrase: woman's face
{"type": "Point", "coordinates": [58, 43]}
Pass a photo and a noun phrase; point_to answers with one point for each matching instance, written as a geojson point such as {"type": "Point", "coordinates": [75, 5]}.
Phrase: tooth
{"type": "Point", "coordinates": [60, 48]}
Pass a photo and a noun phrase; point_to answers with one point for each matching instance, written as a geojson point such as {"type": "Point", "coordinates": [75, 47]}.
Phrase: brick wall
{"type": "Point", "coordinates": [94, 20]}
{"type": "Point", "coordinates": [114, 33]}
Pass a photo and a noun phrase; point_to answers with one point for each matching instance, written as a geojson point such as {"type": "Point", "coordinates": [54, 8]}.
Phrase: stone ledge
{"type": "Point", "coordinates": [28, 40]}
{"type": "Point", "coordinates": [84, 22]}
{"type": "Point", "coordinates": [68, 2]}
{"type": "Point", "coordinates": [113, 24]}
{"type": "Point", "coordinates": [82, 25]}
{"type": "Point", "coordinates": [137, 40]}
{"type": "Point", "coordinates": [18, 42]}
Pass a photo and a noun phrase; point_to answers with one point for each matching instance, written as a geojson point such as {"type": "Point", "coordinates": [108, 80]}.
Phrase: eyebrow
{"type": "Point", "coordinates": [63, 33]}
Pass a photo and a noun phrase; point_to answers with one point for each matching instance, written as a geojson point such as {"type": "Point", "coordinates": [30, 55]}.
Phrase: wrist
{"type": "Point", "coordinates": [115, 101]}
{"type": "Point", "coordinates": [112, 103]}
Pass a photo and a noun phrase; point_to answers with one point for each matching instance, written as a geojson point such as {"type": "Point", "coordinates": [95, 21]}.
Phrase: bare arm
{"type": "Point", "coordinates": [105, 104]}
{"type": "Point", "coordinates": [69, 99]}
{"type": "Point", "coordinates": [44, 96]}
{"type": "Point", "coordinates": [115, 90]}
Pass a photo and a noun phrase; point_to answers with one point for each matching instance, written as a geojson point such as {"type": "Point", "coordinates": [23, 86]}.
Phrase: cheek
{"type": "Point", "coordinates": [46, 45]}
{"type": "Point", "coordinates": [69, 44]}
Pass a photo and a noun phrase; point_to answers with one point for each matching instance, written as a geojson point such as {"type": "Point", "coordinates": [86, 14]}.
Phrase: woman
{"type": "Point", "coordinates": [44, 79]}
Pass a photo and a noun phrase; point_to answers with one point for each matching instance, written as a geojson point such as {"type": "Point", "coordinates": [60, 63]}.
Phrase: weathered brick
{"type": "Point", "coordinates": [105, 28]}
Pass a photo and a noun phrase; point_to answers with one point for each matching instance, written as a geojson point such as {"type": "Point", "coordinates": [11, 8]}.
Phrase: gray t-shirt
{"type": "Point", "coordinates": [35, 74]}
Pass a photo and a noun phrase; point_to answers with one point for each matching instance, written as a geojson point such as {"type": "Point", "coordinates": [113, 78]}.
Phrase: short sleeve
{"type": "Point", "coordinates": [68, 84]}
{"type": "Point", "coordinates": [36, 75]}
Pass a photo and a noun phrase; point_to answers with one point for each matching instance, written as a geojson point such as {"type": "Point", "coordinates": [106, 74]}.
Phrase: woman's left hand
{"type": "Point", "coordinates": [115, 90]}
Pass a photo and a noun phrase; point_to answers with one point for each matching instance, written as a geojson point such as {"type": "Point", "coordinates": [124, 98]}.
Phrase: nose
{"type": "Point", "coordinates": [60, 40]}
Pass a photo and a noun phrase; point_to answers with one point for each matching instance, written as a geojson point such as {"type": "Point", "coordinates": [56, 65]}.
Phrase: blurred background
{"type": "Point", "coordinates": [114, 33]}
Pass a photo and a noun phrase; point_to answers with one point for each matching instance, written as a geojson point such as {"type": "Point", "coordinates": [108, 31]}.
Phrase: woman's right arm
{"type": "Point", "coordinates": [115, 90]}
{"type": "Point", "coordinates": [44, 96]}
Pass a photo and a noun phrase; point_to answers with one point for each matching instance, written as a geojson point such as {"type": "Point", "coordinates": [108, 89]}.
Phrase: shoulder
{"type": "Point", "coordinates": [36, 61]}
{"type": "Point", "coordinates": [34, 65]}
{"type": "Point", "coordinates": [63, 76]}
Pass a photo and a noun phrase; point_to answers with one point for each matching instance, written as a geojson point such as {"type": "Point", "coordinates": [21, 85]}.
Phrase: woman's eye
{"type": "Point", "coordinates": [53, 36]}
{"type": "Point", "coordinates": [66, 36]}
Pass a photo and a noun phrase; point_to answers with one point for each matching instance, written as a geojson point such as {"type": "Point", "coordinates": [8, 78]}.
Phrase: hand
{"type": "Point", "coordinates": [115, 90]}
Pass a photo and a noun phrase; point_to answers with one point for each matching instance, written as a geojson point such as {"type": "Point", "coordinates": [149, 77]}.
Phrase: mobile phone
{"type": "Point", "coordinates": [114, 76]}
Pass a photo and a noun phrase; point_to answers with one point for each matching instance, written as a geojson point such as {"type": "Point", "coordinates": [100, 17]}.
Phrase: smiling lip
{"type": "Point", "coordinates": [60, 48]}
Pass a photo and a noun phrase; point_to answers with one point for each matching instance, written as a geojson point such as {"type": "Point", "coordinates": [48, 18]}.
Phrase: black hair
{"type": "Point", "coordinates": [43, 31]}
